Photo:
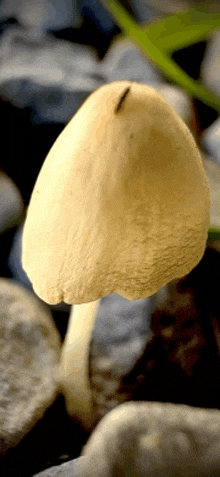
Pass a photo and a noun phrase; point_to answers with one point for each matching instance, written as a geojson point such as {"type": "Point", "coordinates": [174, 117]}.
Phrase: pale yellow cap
{"type": "Point", "coordinates": [121, 203]}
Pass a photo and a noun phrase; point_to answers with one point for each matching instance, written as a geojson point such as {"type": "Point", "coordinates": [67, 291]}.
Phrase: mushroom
{"type": "Point", "coordinates": [121, 205]}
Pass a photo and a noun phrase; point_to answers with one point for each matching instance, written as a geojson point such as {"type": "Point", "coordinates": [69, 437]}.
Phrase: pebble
{"type": "Point", "coordinates": [168, 439]}
{"type": "Point", "coordinates": [11, 203]}
{"type": "Point", "coordinates": [179, 100]}
{"type": "Point", "coordinates": [120, 335]}
{"type": "Point", "coordinates": [41, 14]}
{"type": "Point", "coordinates": [210, 140]}
{"type": "Point", "coordinates": [29, 356]}
{"type": "Point", "coordinates": [51, 76]}
{"type": "Point", "coordinates": [210, 67]}
{"type": "Point", "coordinates": [64, 470]}
{"type": "Point", "coordinates": [125, 61]}
{"type": "Point", "coordinates": [213, 174]}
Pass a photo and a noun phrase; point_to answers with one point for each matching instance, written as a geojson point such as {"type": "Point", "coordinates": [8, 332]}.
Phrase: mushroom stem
{"type": "Point", "coordinates": [74, 372]}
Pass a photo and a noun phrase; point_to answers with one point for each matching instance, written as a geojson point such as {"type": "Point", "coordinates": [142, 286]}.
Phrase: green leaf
{"type": "Point", "coordinates": [152, 48]}
{"type": "Point", "coordinates": [214, 233]}
{"type": "Point", "coordinates": [179, 31]}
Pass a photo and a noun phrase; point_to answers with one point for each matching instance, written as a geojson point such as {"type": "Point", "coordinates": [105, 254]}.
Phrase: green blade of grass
{"type": "Point", "coordinates": [165, 64]}
{"type": "Point", "coordinates": [179, 31]}
{"type": "Point", "coordinates": [214, 233]}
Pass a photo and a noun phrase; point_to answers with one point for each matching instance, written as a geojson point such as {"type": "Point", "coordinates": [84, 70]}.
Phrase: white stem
{"type": "Point", "coordinates": [74, 365]}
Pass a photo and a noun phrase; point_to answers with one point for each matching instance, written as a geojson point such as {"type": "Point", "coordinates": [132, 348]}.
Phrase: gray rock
{"type": "Point", "coordinates": [154, 439]}
{"type": "Point", "coordinates": [29, 357]}
{"type": "Point", "coordinates": [41, 14]}
{"type": "Point", "coordinates": [119, 319]}
{"type": "Point", "coordinates": [213, 174]}
{"type": "Point", "coordinates": [14, 260]}
{"type": "Point", "coordinates": [64, 470]}
{"type": "Point", "coordinates": [51, 76]}
{"type": "Point", "coordinates": [120, 335]}
{"type": "Point", "coordinates": [211, 138]}
{"type": "Point", "coordinates": [11, 203]}
{"type": "Point", "coordinates": [125, 61]}
{"type": "Point", "coordinates": [210, 67]}
{"type": "Point", "coordinates": [178, 99]}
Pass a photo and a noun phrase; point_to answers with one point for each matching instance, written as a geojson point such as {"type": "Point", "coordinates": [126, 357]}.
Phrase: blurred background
{"type": "Point", "coordinates": [53, 55]}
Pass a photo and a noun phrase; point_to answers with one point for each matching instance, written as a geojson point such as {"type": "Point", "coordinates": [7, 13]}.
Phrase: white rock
{"type": "Point", "coordinates": [211, 140]}
{"type": "Point", "coordinates": [65, 470]}
{"type": "Point", "coordinates": [42, 14]}
{"type": "Point", "coordinates": [51, 75]}
{"type": "Point", "coordinates": [213, 174]}
{"type": "Point", "coordinates": [11, 203]}
{"type": "Point", "coordinates": [210, 67]}
{"type": "Point", "coordinates": [125, 61]}
{"type": "Point", "coordinates": [29, 357]}
{"type": "Point", "coordinates": [178, 99]}
{"type": "Point", "coordinates": [152, 439]}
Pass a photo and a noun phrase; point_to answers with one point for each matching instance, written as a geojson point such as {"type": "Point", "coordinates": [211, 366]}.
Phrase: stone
{"type": "Point", "coordinates": [210, 66]}
{"type": "Point", "coordinates": [29, 358]}
{"type": "Point", "coordinates": [11, 203]}
{"type": "Point", "coordinates": [41, 14]}
{"type": "Point", "coordinates": [210, 139]}
{"type": "Point", "coordinates": [152, 439]}
{"type": "Point", "coordinates": [119, 338]}
{"type": "Point", "coordinates": [179, 100]}
{"type": "Point", "coordinates": [51, 76]}
{"type": "Point", "coordinates": [64, 470]}
{"type": "Point", "coordinates": [125, 61]}
{"type": "Point", "coordinates": [213, 174]}
{"type": "Point", "coordinates": [14, 260]}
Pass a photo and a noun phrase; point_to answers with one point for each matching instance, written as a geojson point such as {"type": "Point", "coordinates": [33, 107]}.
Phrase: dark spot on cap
{"type": "Point", "coordinates": [121, 100]}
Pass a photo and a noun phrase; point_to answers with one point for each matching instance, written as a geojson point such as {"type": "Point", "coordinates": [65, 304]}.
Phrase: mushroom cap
{"type": "Point", "coordinates": [121, 203]}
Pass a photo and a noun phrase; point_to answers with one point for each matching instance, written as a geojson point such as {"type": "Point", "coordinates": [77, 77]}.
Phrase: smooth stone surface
{"type": "Point", "coordinates": [211, 139]}
{"type": "Point", "coordinates": [120, 335]}
{"type": "Point", "coordinates": [51, 76]}
{"type": "Point", "coordinates": [153, 439]}
{"type": "Point", "coordinates": [14, 260]}
{"type": "Point", "coordinates": [29, 356]}
{"type": "Point", "coordinates": [213, 174]}
{"type": "Point", "coordinates": [64, 470]}
{"type": "Point", "coordinates": [125, 61]}
{"type": "Point", "coordinates": [11, 203]}
{"type": "Point", "coordinates": [210, 67]}
{"type": "Point", "coordinates": [179, 100]}
{"type": "Point", "coordinates": [41, 14]}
